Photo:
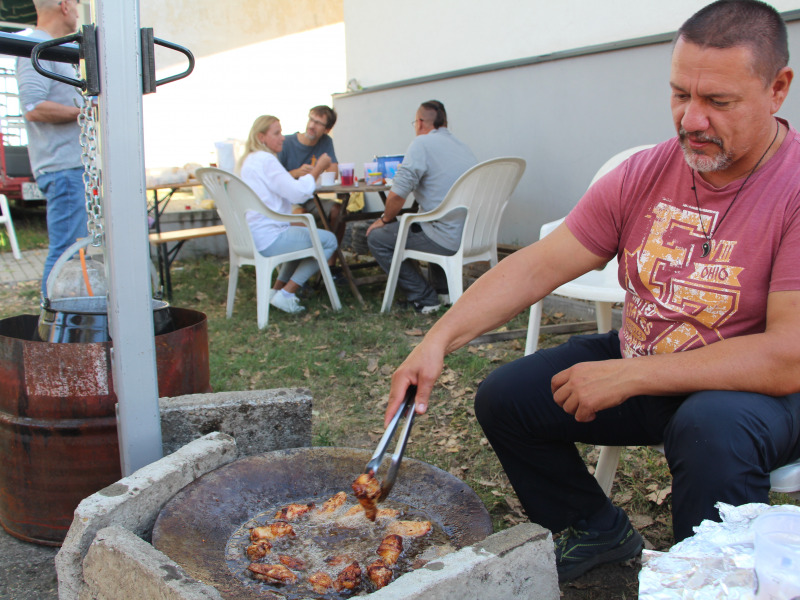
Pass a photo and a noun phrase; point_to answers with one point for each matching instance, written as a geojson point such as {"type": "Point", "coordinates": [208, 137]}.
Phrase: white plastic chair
{"type": "Point", "coordinates": [600, 286]}
{"type": "Point", "coordinates": [233, 198]}
{"type": "Point", "coordinates": [483, 191]}
{"type": "Point", "coordinates": [5, 217]}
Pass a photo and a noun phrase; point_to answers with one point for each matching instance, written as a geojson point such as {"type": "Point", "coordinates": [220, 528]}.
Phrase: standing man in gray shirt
{"type": "Point", "coordinates": [51, 112]}
{"type": "Point", "coordinates": [430, 167]}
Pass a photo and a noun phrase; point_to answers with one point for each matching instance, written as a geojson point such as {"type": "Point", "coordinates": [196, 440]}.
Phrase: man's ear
{"type": "Point", "coordinates": [780, 87]}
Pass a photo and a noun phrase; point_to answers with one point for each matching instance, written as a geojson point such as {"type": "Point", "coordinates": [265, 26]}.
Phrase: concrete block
{"type": "Point", "coordinates": [516, 563]}
{"type": "Point", "coordinates": [134, 503]}
{"type": "Point", "coordinates": [259, 420]}
{"type": "Point", "coordinates": [118, 562]}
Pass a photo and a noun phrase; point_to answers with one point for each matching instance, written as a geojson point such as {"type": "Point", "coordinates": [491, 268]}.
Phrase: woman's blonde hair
{"type": "Point", "coordinates": [253, 144]}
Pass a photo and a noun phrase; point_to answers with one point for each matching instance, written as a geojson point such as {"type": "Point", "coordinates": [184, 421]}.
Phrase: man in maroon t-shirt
{"type": "Point", "coordinates": [707, 231]}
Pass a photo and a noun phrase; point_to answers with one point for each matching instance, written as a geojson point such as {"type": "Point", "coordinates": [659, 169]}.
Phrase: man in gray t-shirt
{"type": "Point", "coordinates": [51, 111]}
{"type": "Point", "coordinates": [301, 150]}
{"type": "Point", "coordinates": [430, 167]}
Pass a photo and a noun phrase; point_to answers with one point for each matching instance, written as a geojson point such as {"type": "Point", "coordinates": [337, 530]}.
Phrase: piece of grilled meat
{"type": "Point", "coordinates": [349, 578]}
{"type": "Point", "coordinates": [258, 549]}
{"type": "Point", "coordinates": [390, 548]}
{"type": "Point", "coordinates": [272, 573]}
{"type": "Point", "coordinates": [293, 511]}
{"type": "Point", "coordinates": [409, 528]}
{"type": "Point", "coordinates": [333, 503]}
{"type": "Point", "coordinates": [321, 582]}
{"type": "Point", "coordinates": [379, 574]}
{"type": "Point", "coordinates": [297, 564]}
{"type": "Point", "coordinates": [367, 489]}
{"type": "Point", "coordinates": [271, 531]}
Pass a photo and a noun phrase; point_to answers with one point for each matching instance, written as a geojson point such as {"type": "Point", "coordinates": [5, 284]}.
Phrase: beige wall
{"type": "Point", "coordinates": [208, 27]}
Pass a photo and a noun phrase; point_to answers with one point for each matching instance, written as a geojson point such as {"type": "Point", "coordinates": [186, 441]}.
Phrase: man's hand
{"type": "Point", "coordinates": [587, 388]}
{"type": "Point", "coordinates": [375, 225]}
{"type": "Point", "coordinates": [300, 171]}
{"type": "Point", "coordinates": [323, 162]}
{"type": "Point", "coordinates": [421, 368]}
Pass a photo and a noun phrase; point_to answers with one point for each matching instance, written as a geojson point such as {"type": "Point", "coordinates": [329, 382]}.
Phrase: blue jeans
{"type": "Point", "coordinates": [720, 446]}
{"type": "Point", "coordinates": [66, 213]}
{"type": "Point", "coordinates": [292, 239]}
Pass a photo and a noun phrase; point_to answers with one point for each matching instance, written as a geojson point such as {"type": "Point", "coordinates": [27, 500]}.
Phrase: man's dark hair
{"type": "Point", "coordinates": [731, 23]}
{"type": "Point", "coordinates": [327, 112]}
{"type": "Point", "coordinates": [440, 120]}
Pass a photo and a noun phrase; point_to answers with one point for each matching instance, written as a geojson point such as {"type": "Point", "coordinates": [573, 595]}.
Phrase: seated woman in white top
{"type": "Point", "coordinates": [260, 169]}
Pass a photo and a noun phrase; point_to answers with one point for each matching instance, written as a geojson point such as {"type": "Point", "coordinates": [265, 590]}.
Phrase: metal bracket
{"type": "Point", "coordinates": [87, 52]}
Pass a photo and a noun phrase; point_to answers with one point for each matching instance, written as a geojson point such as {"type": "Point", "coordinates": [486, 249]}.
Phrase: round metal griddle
{"type": "Point", "coordinates": [194, 527]}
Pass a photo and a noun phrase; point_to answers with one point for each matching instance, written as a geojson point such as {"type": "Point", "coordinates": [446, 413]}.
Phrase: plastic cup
{"type": "Point", "coordinates": [391, 168]}
{"type": "Point", "coordinates": [347, 170]}
{"type": "Point", "coordinates": [777, 555]}
{"type": "Point", "coordinates": [327, 178]}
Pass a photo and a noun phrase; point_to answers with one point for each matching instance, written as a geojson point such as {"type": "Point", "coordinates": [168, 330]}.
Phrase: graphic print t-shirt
{"type": "Point", "coordinates": [645, 213]}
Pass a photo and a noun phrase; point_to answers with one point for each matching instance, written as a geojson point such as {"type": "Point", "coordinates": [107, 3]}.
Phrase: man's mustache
{"type": "Point", "coordinates": [699, 137]}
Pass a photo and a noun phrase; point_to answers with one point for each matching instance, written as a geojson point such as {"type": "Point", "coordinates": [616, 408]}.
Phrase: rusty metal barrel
{"type": "Point", "coordinates": [58, 430]}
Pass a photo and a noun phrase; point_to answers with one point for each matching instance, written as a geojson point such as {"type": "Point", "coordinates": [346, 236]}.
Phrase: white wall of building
{"type": "Point", "coordinates": [390, 41]}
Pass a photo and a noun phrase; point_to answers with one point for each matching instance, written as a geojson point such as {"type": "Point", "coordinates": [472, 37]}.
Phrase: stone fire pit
{"type": "Point", "coordinates": [107, 554]}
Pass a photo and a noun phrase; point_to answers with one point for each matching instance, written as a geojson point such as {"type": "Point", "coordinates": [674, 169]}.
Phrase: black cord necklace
{"type": "Point", "coordinates": [707, 243]}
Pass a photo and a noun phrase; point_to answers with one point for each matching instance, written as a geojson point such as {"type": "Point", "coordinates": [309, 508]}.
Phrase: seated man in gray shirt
{"type": "Point", "coordinates": [431, 165]}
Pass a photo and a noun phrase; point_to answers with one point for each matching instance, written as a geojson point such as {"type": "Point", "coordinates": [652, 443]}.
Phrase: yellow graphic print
{"type": "Point", "coordinates": [704, 292]}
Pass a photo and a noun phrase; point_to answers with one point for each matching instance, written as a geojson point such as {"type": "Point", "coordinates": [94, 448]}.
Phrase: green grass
{"type": "Point", "coordinates": [29, 226]}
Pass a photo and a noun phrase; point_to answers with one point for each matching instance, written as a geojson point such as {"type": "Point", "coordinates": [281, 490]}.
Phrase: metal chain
{"type": "Point", "coordinates": [91, 173]}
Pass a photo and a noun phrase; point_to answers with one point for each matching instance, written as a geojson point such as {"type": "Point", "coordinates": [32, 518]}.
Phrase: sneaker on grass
{"type": "Point", "coordinates": [287, 303]}
{"type": "Point", "coordinates": [580, 548]}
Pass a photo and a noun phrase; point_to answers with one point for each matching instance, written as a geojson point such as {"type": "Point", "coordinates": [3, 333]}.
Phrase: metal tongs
{"type": "Point", "coordinates": [406, 410]}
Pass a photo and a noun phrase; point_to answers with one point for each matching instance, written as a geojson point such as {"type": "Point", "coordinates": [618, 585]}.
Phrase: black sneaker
{"type": "Point", "coordinates": [580, 548]}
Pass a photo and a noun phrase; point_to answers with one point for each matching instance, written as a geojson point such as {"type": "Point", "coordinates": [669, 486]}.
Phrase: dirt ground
{"type": "Point", "coordinates": [607, 582]}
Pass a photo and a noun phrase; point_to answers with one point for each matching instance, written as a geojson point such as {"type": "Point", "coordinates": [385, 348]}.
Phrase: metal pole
{"type": "Point", "coordinates": [127, 262]}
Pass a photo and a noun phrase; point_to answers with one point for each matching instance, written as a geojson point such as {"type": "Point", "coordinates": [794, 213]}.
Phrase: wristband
{"type": "Point", "coordinates": [385, 222]}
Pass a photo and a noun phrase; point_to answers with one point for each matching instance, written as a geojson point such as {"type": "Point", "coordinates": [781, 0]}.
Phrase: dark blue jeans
{"type": "Point", "coordinates": [721, 446]}
{"type": "Point", "coordinates": [66, 213]}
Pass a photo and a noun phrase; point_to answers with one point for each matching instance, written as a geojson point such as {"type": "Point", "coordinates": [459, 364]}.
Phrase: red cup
{"type": "Point", "coordinates": [347, 171]}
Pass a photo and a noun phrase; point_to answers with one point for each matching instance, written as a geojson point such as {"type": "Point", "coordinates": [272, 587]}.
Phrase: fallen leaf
{"type": "Point", "coordinates": [372, 365]}
{"type": "Point", "coordinates": [660, 495]}
{"type": "Point", "coordinates": [641, 521]}
{"type": "Point", "coordinates": [414, 332]}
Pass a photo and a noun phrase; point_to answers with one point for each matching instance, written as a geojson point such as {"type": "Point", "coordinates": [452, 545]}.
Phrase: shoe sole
{"type": "Point", "coordinates": [627, 551]}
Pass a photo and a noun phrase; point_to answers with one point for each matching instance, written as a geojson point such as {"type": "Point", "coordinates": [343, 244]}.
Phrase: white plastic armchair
{"type": "Point", "coordinates": [5, 218]}
{"type": "Point", "coordinates": [600, 286]}
{"type": "Point", "coordinates": [233, 198]}
{"type": "Point", "coordinates": [483, 193]}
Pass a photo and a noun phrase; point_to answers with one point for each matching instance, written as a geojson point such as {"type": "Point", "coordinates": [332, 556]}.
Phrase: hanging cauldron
{"type": "Point", "coordinates": [84, 320]}
{"type": "Point", "coordinates": [69, 315]}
